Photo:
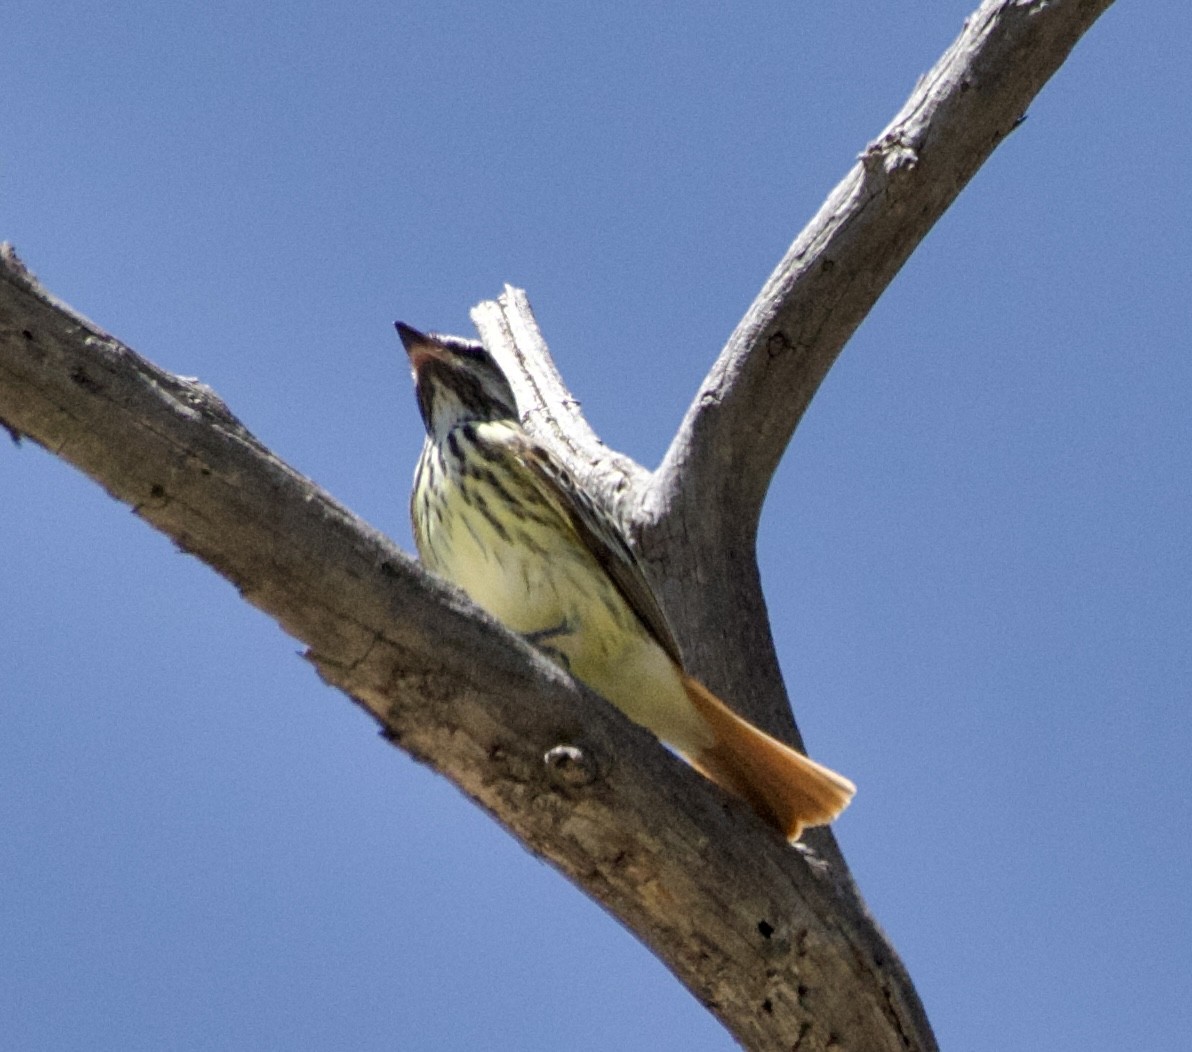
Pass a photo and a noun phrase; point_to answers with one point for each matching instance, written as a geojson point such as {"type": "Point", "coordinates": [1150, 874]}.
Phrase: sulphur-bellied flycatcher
{"type": "Point", "coordinates": [497, 515]}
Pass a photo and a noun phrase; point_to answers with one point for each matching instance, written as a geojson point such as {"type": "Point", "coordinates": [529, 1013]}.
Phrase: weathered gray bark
{"type": "Point", "coordinates": [775, 941]}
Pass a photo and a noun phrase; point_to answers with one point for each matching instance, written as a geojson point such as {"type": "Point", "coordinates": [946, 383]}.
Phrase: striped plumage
{"type": "Point", "coordinates": [495, 514]}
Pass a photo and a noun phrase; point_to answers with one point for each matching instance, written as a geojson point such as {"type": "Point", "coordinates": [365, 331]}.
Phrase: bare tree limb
{"type": "Point", "coordinates": [736, 430]}
{"type": "Point", "coordinates": [771, 939]}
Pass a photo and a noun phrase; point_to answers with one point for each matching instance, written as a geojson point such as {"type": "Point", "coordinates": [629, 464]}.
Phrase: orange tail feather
{"type": "Point", "coordinates": [781, 784]}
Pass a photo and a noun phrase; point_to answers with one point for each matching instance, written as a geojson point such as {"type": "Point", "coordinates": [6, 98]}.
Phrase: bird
{"type": "Point", "coordinates": [496, 514]}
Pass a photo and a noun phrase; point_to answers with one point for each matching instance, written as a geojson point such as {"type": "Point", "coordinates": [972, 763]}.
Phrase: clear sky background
{"type": "Point", "coordinates": [976, 551]}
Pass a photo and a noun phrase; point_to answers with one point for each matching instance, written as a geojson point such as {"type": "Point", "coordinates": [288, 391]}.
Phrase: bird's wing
{"type": "Point", "coordinates": [600, 535]}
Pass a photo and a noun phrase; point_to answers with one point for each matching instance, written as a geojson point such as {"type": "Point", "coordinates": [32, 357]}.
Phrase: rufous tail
{"type": "Point", "coordinates": [781, 784]}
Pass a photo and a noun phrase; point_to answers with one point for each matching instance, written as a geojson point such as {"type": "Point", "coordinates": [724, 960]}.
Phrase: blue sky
{"type": "Point", "coordinates": [976, 551]}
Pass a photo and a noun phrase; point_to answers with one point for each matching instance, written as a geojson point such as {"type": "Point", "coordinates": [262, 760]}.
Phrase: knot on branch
{"type": "Point", "coordinates": [890, 155]}
{"type": "Point", "coordinates": [570, 767]}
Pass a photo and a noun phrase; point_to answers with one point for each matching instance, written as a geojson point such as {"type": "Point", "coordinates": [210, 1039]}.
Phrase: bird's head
{"type": "Point", "coordinates": [456, 380]}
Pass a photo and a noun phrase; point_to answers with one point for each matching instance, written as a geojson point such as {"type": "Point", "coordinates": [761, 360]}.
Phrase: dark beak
{"type": "Point", "coordinates": [420, 347]}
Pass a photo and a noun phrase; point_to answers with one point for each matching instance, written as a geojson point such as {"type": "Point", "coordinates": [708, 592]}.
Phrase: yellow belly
{"type": "Point", "coordinates": [537, 577]}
